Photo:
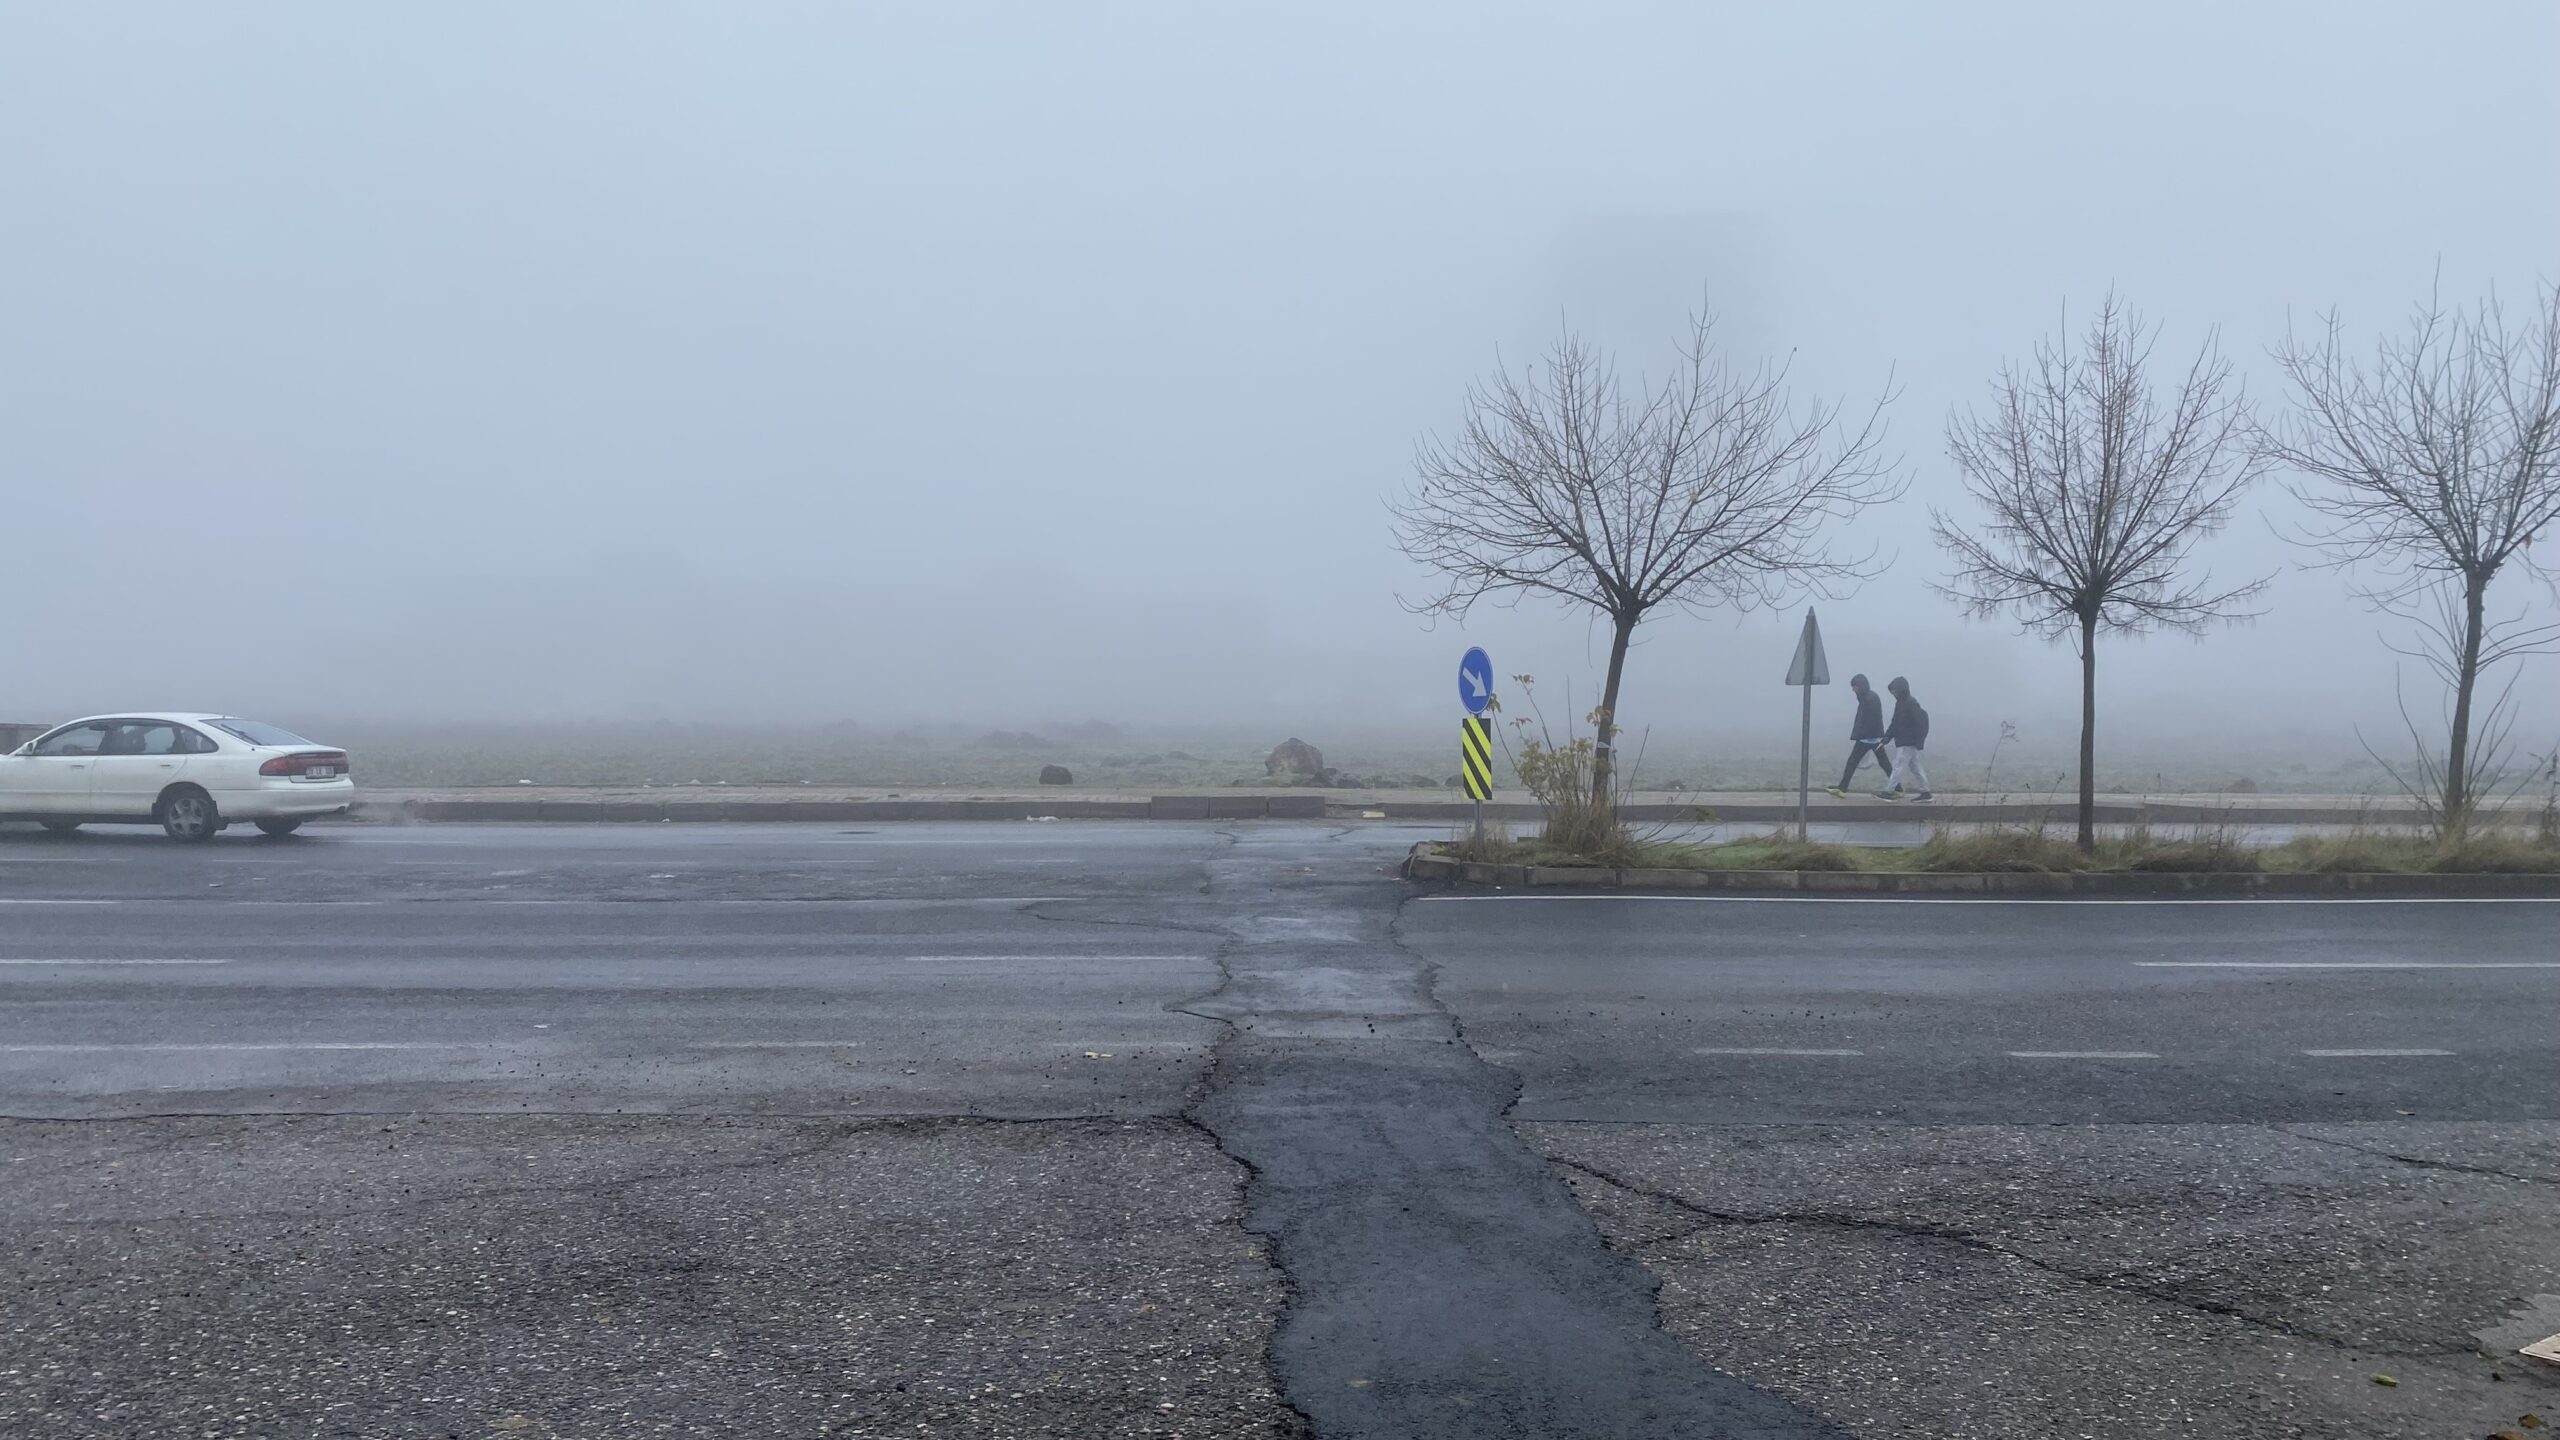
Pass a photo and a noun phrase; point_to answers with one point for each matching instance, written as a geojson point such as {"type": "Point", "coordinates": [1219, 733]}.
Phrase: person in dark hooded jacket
{"type": "Point", "coordinates": [1908, 734]}
{"type": "Point", "coordinates": [1866, 736]}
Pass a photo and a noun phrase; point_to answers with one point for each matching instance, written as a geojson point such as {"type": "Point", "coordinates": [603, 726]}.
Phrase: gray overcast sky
{"type": "Point", "coordinates": [1049, 360]}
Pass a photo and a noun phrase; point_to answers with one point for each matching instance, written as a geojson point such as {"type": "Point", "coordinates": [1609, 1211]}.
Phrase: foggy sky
{"type": "Point", "coordinates": [1041, 361]}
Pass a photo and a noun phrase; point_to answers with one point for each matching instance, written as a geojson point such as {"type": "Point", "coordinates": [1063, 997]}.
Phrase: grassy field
{"type": "Point", "coordinates": [408, 757]}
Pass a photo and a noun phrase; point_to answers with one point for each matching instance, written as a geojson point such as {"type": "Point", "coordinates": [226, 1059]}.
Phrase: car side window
{"type": "Point", "coordinates": [87, 739]}
{"type": "Point", "coordinates": [159, 739]}
{"type": "Point", "coordinates": [125, 737]}
{"type": "Point", "coordinates": [192, 742]}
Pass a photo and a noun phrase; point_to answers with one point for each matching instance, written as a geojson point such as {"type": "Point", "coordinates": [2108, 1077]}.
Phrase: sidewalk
{"type": "Point", "coordinates": [718, 803]}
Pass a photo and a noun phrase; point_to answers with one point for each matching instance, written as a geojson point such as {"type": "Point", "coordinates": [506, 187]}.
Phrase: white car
{"type": "Point", "coordinates": [191, 775]}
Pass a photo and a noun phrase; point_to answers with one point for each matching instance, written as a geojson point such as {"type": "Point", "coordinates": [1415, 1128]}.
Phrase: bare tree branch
{"type": "Point", "coordinates": [2095, 492]}
{"type": "Point", "coordinates": [1712, 489]}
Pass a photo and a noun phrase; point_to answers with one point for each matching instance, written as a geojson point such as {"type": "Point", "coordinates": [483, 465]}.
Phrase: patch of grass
{"type": "Point", "coordinates": [2357, 852]}
{"type": "Point", "coordinates": [2000, 850]}
{"type": "Point", "coordinates": [1498, 847]}
{"type": "Point", "coordinates": [2366, 852]}
{"type": "Point", "coordinates": [1494, 844]}
{"type": "Point", "coordinates": [2193, 857]}
{"type": "Point", "coordinates": [2210, 852]}
{"type": "Point", "coordinates": [1774, 851]}
{"type": "Point", "coordinates": [2498, 852]}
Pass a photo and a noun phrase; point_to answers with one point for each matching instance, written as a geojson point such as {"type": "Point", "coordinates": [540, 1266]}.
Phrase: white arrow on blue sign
{"type": "Point", "coordinates": [1475, 680]}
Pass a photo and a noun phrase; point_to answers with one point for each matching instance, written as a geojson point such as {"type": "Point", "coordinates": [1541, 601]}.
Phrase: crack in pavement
{"type": "Point", "coordinates": [1243, 1219]}
{"type": "Point", "coordinates": [2419, 1161]}
{"type": "Point", "coordinates": [1440, 1280]}
{"type": "Point", "coordinates": [2114, 1281]}
{"type": "Point", "coordinates": [1204, 1086]}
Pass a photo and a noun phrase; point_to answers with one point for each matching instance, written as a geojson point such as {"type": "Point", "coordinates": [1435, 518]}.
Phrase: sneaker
{"type": "Point", "coordinates": [1887, 795]}
{"type": "Point", "coordinates": [1835, 792]}
{"type": "Point", "coordinates": [1926, 795]}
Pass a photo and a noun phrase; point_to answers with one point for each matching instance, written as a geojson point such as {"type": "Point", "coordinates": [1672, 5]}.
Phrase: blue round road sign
{"type": "Point", "coordinates": [1475, 680]}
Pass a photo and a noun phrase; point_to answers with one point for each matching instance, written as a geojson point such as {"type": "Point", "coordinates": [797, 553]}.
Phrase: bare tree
{"type": "Point", "coordinates": [1709, 489]}
{"type": "Point", "coordinates": [2095, 491]}
{"type": "Point", "coordinates": [2433, 466]}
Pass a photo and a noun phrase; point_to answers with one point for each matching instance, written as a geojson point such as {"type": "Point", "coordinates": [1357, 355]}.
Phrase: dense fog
{"type": "Point", "coordinates": [1019, 365]}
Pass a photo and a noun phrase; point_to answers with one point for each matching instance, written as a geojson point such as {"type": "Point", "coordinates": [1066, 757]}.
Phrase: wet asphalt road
{"type": "Point", "coordinates": [1152, 1129]}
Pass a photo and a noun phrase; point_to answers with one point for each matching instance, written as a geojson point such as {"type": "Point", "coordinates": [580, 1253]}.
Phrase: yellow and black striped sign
{"type": "Point", "coordinates": [1475, 754]}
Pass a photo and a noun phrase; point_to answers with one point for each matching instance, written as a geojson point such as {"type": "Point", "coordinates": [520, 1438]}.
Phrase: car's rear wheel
{"type": "Point", "coordinates": [187, 813]}
{"type": "Point", "coordinates": [279, 828]}
{"type": "Point", "coordinates": [61, 827]}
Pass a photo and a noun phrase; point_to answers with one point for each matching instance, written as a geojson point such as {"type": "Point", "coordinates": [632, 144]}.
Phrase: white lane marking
{"type": "Point", "coordinates": [849, 955]}
{"type": "Point", "coordinates": [255, 1045]}
{"type": "Point", "coordinates": [68, 961]}
{"type": "Point", "coordinates": [2348, 964]}
{"type": "Point", "coordinates": [1750, 1050]}
{"type": "Point", "coordinates": [1105, 1045]}
{"type": "Point", "coordinates": [915, 900]}
{"type": "Point", "coordinates": [598, 901]}
{"type": "Point", "coordinates": [1125, 1046]}
{"type": "Point", "coordinates": [1871, 899]}
{"type": "Point", "coordinates": [204, 900]}
{"type": "Point", "coordinates": [2370, 1054]}
{"type": "Point", "coordinates": [2083, 1055]}
{"type": "Point", "coordinates": [781, 1044]}
{"type": "Point", "coordinates": [815, 951]}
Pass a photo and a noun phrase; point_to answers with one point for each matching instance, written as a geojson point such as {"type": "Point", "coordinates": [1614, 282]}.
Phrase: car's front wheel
{"type": "Point", "coordinates": [187, 813]}
{"type": "Point", "coordinates": [279, 828]}
{"type": "Point", "coordinates": [61, 827]}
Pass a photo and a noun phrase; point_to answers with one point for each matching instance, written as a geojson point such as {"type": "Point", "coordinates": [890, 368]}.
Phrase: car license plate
{"type": "Point", "coordinates": [321, 772]}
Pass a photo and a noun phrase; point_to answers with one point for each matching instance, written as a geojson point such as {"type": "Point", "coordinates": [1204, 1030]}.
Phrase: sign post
{"type": "Point", "coordinates": [1809, 668]}
{"type": "Point", "coordinates": [1475, 733]}
{"type": "Point", "coordinates": [1475, 757]}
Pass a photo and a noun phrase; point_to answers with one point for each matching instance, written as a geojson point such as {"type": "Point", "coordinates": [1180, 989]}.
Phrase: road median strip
{"type": "Point", "coordinates": [1423, 865]}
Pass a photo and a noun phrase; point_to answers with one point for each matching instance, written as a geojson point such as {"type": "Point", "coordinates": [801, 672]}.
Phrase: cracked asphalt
{"type": "Point", "coordinates": [1153, 1129]}
{"type": "Point", "coordinates": [1954, 1170]}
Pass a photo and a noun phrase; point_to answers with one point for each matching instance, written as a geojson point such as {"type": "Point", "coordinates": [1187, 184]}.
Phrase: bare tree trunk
{"type": "Point", "coordinates": [2457, 757]}
{"type": "Point", "coordinates": [1604, 762]}
{"type": "Point", "coordinates": [2088, 734]}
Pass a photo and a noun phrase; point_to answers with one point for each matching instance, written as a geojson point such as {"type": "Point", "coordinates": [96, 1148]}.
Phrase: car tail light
{"type": "Point", "coordinates": [333, 763]}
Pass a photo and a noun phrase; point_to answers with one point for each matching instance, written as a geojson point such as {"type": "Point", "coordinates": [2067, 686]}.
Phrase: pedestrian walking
{"type": "Point", "coordinates": [1866, 736]}
{"type": "Point", "coordinates": [1907, 735]}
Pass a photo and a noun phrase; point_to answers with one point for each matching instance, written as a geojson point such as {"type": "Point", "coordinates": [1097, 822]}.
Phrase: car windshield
{"type": "Point", "coordinates": [256, 733]}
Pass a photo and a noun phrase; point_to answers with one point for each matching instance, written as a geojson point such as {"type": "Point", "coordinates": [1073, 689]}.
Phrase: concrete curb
{"type": "Point", "coordinates": [1936, 812]}
{"type": "Point", "coordinates": [1425, 867]}
{"type": "Point", "coordinates": [592, 812]}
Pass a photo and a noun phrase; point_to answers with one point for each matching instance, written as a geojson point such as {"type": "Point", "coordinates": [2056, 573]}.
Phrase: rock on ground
{"type": "Point", "coordinates": [1294, 757]}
